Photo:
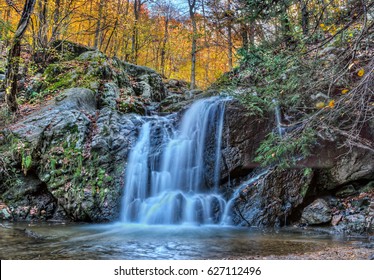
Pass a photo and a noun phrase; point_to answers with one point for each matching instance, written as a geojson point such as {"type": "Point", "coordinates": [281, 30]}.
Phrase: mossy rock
{"type": "Point", "coordinates": [92, 56]}
{"type": "Point", "coordinates": [68, 49]}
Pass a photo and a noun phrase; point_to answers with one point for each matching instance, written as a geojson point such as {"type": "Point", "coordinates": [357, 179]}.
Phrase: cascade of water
{"type": "Point", "coordinates": [169, 173]}
{"type": "Point", "coordinates": [278, 118]}
{"type": "Point", "coordinates": [226, 218]}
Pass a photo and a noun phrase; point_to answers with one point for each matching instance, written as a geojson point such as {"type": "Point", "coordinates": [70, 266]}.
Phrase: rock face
{"type": "Point", "coordinates": [317, 213]}
{"type": "Point", "coordinates": [75, 167]}
{"type": "Point", "coordinates": [271, 200]}
{"type": "Point", "coordinates": [242, 136]}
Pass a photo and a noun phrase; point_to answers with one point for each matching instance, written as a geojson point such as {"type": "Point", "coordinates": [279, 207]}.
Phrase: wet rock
{"type": "Point", "coordinates": [318, 212]}
{"type": "Point", "coordinates": [346, 191]}
{"type": "Point", "coordinates": [336, 219]}
{"type": "Point", "coordinates": [355, 223]}
{"type": "Point", "coordinates": [361, 203]}
{"type": "Point", "coordinates": [271, 200]}
{"type": "Point", "coordinates": [5, 212]}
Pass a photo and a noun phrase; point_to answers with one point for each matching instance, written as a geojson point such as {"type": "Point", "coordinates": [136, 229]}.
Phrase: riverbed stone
{"type": "Point", "coordinates": [355, 223]}
{"type": "Point", "coordinates": [5, 212]}
{"type": "Point", "coordinates": [336, 219]}
{"type": "Point", "coordinates": [318, 212]}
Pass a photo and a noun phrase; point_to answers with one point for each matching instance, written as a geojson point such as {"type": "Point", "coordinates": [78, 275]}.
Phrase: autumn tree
{"type": "Point", "coordinates": [166, 11]}
{"type": "Point", "coordinates": [192, 5]}
{"type": "Point", "coordinates": [14, 57]}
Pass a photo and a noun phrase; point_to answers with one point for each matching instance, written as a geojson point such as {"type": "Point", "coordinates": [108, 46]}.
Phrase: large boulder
{"type": "Point", "coordinates": [318, 212]}
{"type": "Point", "coordinates": [272, 199]}
{"type": "Point", "coordinates": [146, 82]}
{"type": "Point", "coordinates": [242, 136]}
{"type": "Point", "coordinates": [67, 160]}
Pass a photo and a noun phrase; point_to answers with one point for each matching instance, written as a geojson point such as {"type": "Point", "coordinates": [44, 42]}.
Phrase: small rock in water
{"type": "Point", "coordinates": [336, 219]}
{"type": "Point", "coordinates": [355, 223]}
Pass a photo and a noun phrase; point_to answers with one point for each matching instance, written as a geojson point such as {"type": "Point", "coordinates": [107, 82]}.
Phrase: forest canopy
{"type": "Point", "coordinates": [159, 33]}
{"type": "Point", "coordinates": [197, 40]}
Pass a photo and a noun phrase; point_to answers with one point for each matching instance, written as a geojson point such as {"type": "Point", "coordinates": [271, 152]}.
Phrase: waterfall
{"type": "Point", "coordinates": [226, 218]}
{"type": "Point", "coordinates": [278, 118]}
{"type": "Point", "coordinates": [173, 173]}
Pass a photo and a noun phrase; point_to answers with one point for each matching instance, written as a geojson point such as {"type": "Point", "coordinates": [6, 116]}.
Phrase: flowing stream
{"type": "Point", "coordinates": [150, 242]}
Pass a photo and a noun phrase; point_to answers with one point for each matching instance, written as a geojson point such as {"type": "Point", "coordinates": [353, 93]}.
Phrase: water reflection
{"type": "Point", "coordinates": [130, 241]}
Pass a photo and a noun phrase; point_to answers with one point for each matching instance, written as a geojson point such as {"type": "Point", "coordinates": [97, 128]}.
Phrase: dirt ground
{"type": "Point", "coordinates": [338, 253]}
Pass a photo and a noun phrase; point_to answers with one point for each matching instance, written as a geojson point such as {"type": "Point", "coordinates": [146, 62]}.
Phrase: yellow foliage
{"type": "Point", "coordinates": [361, 72]}
{"type": "Point", "coordinates": [320, 105]}
{"type": "Point", "coordinates": [331, 104]}
{"type": "Point", "coordinates": [332, 30]}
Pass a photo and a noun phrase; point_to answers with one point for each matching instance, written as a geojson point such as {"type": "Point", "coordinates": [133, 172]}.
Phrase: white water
{"type": "Point", "coordinates": [226, 218]}
{"type": "Point", "coordinates": [168, 174]}
{"type": "Point", "coordinates": [278, 118]}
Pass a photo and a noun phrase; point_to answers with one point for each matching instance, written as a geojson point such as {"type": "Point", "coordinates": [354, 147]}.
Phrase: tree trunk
{"type": "Point", "coordinates": [111, 35]}
{"type": "Point", "coordinates": [134, 38]}
{"type": "Point", "coordinates": [56, 21]}
{"type": "Point", "coordinates": [304, 16]}
{"type": "Point", "coordinates": [286, 27]}
{"type": "Point", "coordinates": [43, 24]}
{"type": "Point", "coordinates": [14, 57]}
{"type": "Point", "coordinates": [98, 35]}
{"type": "Point", "coordinates": [164, 42]}
{"type": "Point", "coordinates": [244, 35]}
{"type": "Point", "coordinates": [229, 36]}
{"type": "Point", "coordinates": [252, 29]}
{"type": "Point", "coordinates": [191, 5]}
